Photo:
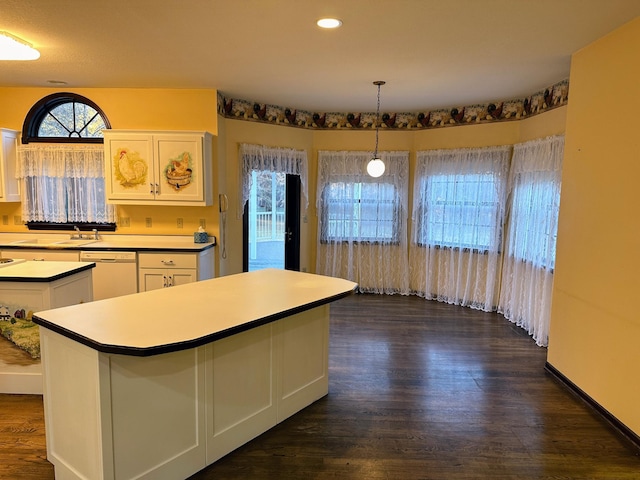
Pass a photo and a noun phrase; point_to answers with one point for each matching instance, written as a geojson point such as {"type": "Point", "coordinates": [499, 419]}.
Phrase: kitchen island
{"type": "Point", "coordinates": [163, 383]}
{"type": "Point", "coordinates": [26, 287]}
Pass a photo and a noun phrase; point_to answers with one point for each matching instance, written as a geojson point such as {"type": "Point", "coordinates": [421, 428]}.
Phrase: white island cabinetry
{"type": "Point", "coordinates": [158, 168]}
{"type": "Point", "coordinates": [27, 287]}
{"type": "Point", "coordinates": [157, 386]}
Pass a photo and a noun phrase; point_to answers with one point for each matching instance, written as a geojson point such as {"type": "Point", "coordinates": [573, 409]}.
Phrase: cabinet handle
{"type": "Point", "coordinates": [170, 281]}
{"type": "Point", "coordinates": [167, 262]}
{"type": "Point", "coordinates": [157, 188]}
{"type": "Point", "coordinates": [164, 281]}
{"type": "Point", "coordinates": [151, 189]}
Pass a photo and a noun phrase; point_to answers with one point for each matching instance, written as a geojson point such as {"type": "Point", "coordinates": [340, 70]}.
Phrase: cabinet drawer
{"type": "Point", "coordinates": [167, 260]}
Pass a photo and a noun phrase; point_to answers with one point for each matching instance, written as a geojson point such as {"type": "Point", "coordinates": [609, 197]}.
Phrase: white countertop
{"type": "Point", "coordinates": [186, 316]}
{"type": "Point", "coordinates": [107, 241]}
{"type": "Point", "coordinates": [31, 271]}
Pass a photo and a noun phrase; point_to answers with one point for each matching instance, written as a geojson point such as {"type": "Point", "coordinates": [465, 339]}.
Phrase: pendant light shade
{"type": "Point", "coordinates": [376, 167]}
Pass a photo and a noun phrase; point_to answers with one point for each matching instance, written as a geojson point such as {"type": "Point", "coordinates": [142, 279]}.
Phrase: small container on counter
{"type": "Point", "coordinates": [200, 236]}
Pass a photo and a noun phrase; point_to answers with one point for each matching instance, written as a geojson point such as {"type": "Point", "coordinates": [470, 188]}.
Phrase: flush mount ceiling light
{"type": "Point", "coordinates": [14, 48]}
{"type": "Point", "coordinates": [329, 23]}
{"type": "Point", "coordinates": [375, 167]}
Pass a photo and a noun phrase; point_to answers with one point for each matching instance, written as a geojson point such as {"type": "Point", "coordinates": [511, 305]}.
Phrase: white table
{"type": "Point", "coordinates": [163, 383]}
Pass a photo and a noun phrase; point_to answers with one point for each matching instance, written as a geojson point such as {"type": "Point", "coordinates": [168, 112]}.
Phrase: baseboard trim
{"type": "Point", "coordinates": [617, 425]}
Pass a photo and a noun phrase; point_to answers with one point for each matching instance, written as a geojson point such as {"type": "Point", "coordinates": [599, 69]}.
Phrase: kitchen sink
{"type": "Point", "coordinates": [36, 241]}
{"type": "Point", "coordinates": [75, 242]}
{"type": "Point", "coordinates": [44, 242]}
{"type": "Point", "coordinates": [5, 262]}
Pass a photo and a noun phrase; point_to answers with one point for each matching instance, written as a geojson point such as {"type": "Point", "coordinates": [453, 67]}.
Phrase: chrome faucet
{"type": "Point", "coordinates": [76, 235]}
{"type": "Point", "coordinates": [96, 235]}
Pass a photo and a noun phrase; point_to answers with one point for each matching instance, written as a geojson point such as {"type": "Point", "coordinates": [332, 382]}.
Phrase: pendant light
{"type": "Point", "coordinates": [375, 167]}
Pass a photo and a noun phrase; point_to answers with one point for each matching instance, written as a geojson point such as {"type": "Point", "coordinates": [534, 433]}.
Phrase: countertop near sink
{"type": "Point", "coordinates": [106, 242]}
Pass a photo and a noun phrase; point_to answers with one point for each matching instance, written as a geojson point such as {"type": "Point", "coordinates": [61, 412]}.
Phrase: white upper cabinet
{"type": "Point", "coordinates": [158, 168]}
{"type": "Point", "coordinates": [9, 185]}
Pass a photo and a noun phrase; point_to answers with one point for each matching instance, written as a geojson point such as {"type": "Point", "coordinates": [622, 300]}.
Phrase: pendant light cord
{"type": "Point", "coordinates": [379, 83]}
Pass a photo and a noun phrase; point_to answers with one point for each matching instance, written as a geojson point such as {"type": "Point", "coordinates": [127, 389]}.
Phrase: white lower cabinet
{"type": "Point", "coordinates": [167, 269]}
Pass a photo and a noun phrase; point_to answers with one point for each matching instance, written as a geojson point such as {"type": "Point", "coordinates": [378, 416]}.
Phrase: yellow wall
{"type": "Point", "coordinates": [235, 133]}
{"type": "Point", "coordinates": [162, 109]}
{"type": "Point", "coordinates": [152, 109]}
{"type": "Point", "coordinates": [595, 326]}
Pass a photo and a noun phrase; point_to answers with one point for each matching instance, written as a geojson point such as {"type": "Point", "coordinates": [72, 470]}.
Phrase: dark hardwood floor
{"type": "Point", "coordinates": [418, 390]}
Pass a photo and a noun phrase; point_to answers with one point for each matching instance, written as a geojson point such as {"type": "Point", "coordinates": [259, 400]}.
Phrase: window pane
{"type": "Point", "coordinates": [460, 210]}
{"type": "Point", "coordinates": [72, 119]}
{"type": "Point", "coordinates": [94, 127]}
{"type": "Point", "coordinates": [50, 127]}
{"type": "Point", "coordinates": [533, 226]}
{"type": "Point", "coordinates": [360, 212]}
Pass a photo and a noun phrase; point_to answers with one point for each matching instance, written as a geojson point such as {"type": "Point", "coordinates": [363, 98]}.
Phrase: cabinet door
{"type": "Point", "coordinates": [180, 176]}
{"type": "Point", "coordinates": [9, 185]}
{"type": "Point", "coordinates": [181, 277]}
{"type": "Point", "coordinates": [155, 278]}
{"type": "Point", "coordinates": [151, 279]}
{"type": "Point", "coordinates": [129, 165]}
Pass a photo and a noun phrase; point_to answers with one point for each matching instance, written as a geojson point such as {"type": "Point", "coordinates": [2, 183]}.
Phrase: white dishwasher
{"type": "Point", "coordinates": [115, 273]}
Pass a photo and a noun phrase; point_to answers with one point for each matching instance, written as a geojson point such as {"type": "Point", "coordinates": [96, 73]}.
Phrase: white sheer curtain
{"type": "Point", "coordinates": [63, 184]}
{"type": "Point", "coordinates": [457, 221]}
{"type": "Point", "coordinates": [529, 257]}
{"type": "Point", "coordinates": [260, 158]}
{"type": "Point", "coordinates": [362, 221]}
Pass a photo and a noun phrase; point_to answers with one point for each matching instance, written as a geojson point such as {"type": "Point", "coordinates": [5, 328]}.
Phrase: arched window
{"type": "Point", "coordinates": [64, 118]}
{"type": "Point", "coordinates": [63, 186]}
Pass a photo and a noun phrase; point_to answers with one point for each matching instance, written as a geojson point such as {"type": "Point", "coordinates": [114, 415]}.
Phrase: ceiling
{"type": "Point", "coordinates": [432, 53]}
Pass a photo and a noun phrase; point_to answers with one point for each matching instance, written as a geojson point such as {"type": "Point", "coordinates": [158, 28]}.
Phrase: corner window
{"type": "Point", "coordinates": [64, 118]}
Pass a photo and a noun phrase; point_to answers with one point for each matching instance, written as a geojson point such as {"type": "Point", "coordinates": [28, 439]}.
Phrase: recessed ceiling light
{"type": "Point", "coordinates": [329, 23]}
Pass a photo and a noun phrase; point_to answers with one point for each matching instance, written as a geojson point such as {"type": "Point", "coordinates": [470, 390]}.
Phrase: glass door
{"type": "Point", "coordinates": [272, 222]}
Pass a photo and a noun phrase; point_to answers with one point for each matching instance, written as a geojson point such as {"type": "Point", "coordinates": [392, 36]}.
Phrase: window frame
{"type": "Point", "coordinates": [38, 113]}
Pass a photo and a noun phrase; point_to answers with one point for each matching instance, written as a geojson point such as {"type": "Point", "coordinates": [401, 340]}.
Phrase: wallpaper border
{"type": "Point", "coordinates": [549, 98]}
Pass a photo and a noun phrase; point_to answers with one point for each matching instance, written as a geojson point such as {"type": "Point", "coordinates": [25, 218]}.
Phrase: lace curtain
{"type": "Point", "coordinates": [529, 257]}
{"type": "Point", "coordinates": [63, 184]}
{"type": "Point", "coordinates": [457, 220]}
{"type": "Point", "coordinates": [362, 221]}
{"type": "Point", "coordinates": [271, 159]}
